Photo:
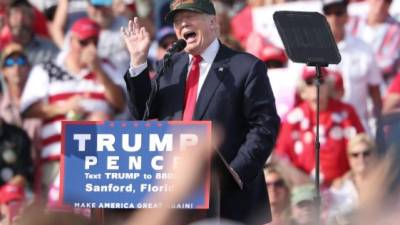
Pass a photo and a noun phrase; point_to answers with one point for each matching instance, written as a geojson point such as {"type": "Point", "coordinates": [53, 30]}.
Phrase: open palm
{"type": "Point", "coordinates": [137, 40]}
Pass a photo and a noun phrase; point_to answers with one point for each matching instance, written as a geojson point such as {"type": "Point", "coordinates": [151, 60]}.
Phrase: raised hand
{"type": "Point", "coordinates": [137, 40]}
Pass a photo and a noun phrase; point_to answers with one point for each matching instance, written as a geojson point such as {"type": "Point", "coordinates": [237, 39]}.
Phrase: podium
{"type": "Point", "coordinates": [120, 165]}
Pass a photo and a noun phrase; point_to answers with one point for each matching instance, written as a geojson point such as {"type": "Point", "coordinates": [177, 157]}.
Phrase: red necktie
{"type": "Point", "coordinates": [192, 83]}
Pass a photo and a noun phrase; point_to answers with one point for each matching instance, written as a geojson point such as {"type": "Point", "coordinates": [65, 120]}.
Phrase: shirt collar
{"type": "Point", "coordinates": [210, 53]}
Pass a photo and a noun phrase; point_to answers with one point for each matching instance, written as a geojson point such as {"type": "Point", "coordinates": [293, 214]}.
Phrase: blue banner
{"type": "Point", "coordinates": [122, 164]}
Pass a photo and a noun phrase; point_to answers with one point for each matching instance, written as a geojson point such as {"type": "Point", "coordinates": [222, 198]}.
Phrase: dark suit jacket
{"type": "Point", "coordinates": [237, 96]}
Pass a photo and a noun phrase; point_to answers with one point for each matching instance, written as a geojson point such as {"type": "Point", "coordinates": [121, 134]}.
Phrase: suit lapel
{"type": "Point", "coordinates": [179, 73]}
{"type": "Point", "coordinates": [213, 80]}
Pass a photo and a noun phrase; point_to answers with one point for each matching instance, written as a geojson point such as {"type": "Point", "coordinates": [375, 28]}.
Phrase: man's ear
{"type": "Point", "coordinates": [213, 21]}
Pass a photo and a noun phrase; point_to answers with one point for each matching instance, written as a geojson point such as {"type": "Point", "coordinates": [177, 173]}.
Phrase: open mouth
{"type": "Point", "coordinates": [189, 36]}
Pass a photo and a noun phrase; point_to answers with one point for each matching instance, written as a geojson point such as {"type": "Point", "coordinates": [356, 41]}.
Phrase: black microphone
{"type": "Point", "coordinates": [177, 46]}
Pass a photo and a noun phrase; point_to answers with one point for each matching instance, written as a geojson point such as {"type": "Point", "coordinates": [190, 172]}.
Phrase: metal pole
{"type": "Point", "coordinates": [317, 150]}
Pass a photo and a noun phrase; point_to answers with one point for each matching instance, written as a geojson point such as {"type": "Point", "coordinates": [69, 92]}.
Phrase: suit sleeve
{"type": "Point", "coordinates": [262, 122]}
{"type": "Point", "coordinates": [139, 89]}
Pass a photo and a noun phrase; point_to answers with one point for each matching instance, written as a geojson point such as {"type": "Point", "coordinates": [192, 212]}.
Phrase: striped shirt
{"type": "Point", "coordinates": [50, 83]}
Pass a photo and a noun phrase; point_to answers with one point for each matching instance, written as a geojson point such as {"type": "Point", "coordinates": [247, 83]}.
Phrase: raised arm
{"type": "Point", "coordinates": [57, 25]}
{"type": "Point", "coordinates": [137, 41]}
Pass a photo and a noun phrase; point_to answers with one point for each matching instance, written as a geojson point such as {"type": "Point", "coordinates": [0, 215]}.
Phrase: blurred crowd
{"type": "Point", "coordinates": [65, 60]}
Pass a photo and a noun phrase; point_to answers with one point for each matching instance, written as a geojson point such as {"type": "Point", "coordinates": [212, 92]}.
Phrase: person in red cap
{"type": "Point", "coordinates": [338, 123]}
{"type": "Point", "coordinates": [15, 68]}
{"type": "Point", "coordinates": [12, 198]}
{"type": "Point", "coordinates": [77, 85]}
{"type": "Point", "coordinates": [86, 31]}
{"type": "Point", "coordinates": [110, 43]}
{"type": "Point", "coordinates": [263, 49]}
{"type": "Point", "coordinates": [274, 57]}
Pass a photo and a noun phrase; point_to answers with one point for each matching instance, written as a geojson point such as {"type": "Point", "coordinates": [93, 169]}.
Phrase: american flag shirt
{"type": "Point", "coordinates": [51, 83]}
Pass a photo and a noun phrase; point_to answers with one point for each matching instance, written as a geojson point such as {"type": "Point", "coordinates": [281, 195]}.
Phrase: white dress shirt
{"type": "Point", "coordinates": [208, 57]}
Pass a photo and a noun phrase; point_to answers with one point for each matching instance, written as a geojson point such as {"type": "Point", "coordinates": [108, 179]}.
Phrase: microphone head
{"type": "Point", "coordinates": [177, 46]}
{"type": "Point", "coordinates": [180, 45]}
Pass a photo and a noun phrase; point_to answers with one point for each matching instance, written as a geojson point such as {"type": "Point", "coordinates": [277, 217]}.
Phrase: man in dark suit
{"type": "Point", "coordinates": [229, 88]}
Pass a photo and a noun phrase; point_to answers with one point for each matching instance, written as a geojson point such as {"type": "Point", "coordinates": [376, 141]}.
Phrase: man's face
{"type": "Point", "coordinates": [79, 47]}
{"type": "Point", "coordinates": [103, 15]}
{"type": "Point", "coordinates": [336, 16]}
{"type": "Point", "coordinates": [359, 158]}
{"type": "Point", "coordinates": [197, 29]}
{"type": "Point", "coordinates": [309, 91]}
{"type": "Point", "coordinates": [277, 190]}
{"type": "Point", "coordinates": [15, 70]}
{"type": "Point", "coordinates": [164, 45]}
{"type": "Point", "coordinates": [21, 20]}
{"type": "Point", "coordinates": [303, 212]}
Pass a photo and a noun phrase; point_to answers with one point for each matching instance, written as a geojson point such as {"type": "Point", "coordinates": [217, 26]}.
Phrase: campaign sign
{"type": "Point", "coordinates": [124, 164]}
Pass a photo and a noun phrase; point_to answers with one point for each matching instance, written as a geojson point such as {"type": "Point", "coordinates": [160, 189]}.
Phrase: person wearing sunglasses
{"type": "Point", "coordinates": [16, 166]}
{"type": "Point", "coordinates": [361, 151]}
{"type": "Point", "coordinates": [338, 123]}
{"type": "Point", "coordinates": [15, 68]}
{"type": "Point", "coordinates": [165, 37]}
{"type": "Point", "coordinates": [77, 85]}
{"type": "Point", "coordinates": [22, 20]}
{"type": "Point", "coordinates": [358, 67]}
{"type": "Point", "coordinates": [278, 193]}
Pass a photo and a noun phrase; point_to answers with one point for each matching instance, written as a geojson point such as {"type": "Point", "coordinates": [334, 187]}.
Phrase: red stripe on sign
{"type": "Point", "coordinates": [65, 96]}
{"type": "Point", "coordinates": [52, 139]}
